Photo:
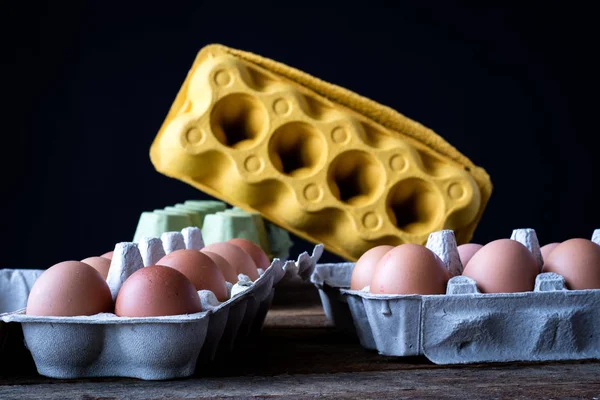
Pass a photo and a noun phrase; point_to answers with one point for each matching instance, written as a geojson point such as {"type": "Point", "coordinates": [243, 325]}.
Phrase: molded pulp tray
{"type": "Point", "coordinates": [314, 158]}
{"type": "Point", "coordinates": [15, 285]}
{"type": "Point", "coordinates": [155, 347]}
{"type": "Point", "coordinates": [465, 326]}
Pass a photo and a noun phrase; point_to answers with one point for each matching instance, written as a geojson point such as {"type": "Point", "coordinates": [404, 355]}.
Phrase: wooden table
{"type": "Point", "coordinates": [300, 355]}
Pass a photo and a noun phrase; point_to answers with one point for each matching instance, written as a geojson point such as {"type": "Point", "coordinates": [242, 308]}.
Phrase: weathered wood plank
{"type": "Point", "coordinates": [553, 381]}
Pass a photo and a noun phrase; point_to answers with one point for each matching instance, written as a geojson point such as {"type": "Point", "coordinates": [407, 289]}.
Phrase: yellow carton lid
{"type": "Point", "coordinates": [321, 161]}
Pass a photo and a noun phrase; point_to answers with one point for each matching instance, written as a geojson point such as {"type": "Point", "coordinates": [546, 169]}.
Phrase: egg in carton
{"type": "Point", "coordinates": [151, 348]}
{"type": "Point", "coordinates": [462, 326]}
{"type": "Point", "coordinates": [316, 159]}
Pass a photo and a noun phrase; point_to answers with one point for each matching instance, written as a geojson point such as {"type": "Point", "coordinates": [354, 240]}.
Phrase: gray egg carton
{"type": "Point", "coordinates": [15, 285]}
{"type": "Point", "coordinates": [466, 326]}
{"type": "Point", "coordinates": [151, 348]}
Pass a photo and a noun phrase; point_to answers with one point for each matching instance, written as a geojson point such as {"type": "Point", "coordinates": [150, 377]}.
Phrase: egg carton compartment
{"type": "Point", "coordinates": [318, 160]}
{"type": "Point", "coordinates": [218, 224]}
{"type": "Point", "coordinates": [151, 348]}
{"type": "Point", "coordinates": [15, 285]}
{"type": "Point", "coordinates": [464, 326]}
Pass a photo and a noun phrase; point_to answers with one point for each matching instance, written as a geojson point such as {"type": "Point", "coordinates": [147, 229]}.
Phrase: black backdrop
{"type": "Point", "coordinates": [85, 88]}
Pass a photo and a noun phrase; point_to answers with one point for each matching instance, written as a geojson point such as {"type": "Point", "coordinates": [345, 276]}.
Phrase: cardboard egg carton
{"type": "Point", "coordinates": [151, 348]}
{"type": "Point", "coordinates": [464, 325]}
{"type": "Point", "coordinates": [318, 160]}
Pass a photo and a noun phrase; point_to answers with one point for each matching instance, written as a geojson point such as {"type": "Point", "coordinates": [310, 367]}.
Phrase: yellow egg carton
{"type": "Point", "coordinates": [322, 162]}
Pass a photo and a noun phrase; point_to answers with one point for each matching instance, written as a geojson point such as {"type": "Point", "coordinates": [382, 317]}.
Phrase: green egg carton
{"type": "Point", "coordinates": [218, 224]}
{"type": "Point", "coordinates": [155, 223]}
{"type": "Point", "coordinates": [278, 239]}
{"type": "Point", "coordinates": [194, 216]}
{"type": "Point", "coordinates": [211, 206]}
{"type": "Point", "coordinates": [201, 208]}
{"type": "Point", "coordinates": [259, 223]}
{"type": "Point", "coordinates": [230, 224]}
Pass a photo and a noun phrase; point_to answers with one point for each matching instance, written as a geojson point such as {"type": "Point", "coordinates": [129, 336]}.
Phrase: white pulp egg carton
{"type": "Point", "coordinates": [150, 348]}
{"type": "Point", "coordinates": [465, 326]}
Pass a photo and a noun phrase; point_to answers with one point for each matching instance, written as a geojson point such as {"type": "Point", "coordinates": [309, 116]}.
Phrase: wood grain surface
{"type": "Point", "coordinates": [299, 355]}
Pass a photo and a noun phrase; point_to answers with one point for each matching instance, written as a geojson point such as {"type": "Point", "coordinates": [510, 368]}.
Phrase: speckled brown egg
{"type": "Point", "coordinates": [547, 249]}
{"type": "Point", "coordinates": [100, 264]}
{"type": "Point", "coordinates": [410, 269]}
{"type": "Point", "coordinates": [258, 255]}
{"type": "Point", "coordinates": [199, 268]}
{"type": "Point", "coordinates": [503, 266]}
{"type": "Point", "coordinates": [467, 251]}
{"type": "Point", "coordinates": [578, 261]}
{"type": "Point", "coordinates": [69, 288]}
{"type": "Point", "coordinates": [236, 257]}
{"type": "Point", "coordinates": [364, 267]}
{"type": "Point", "coordinates": [157, 290]}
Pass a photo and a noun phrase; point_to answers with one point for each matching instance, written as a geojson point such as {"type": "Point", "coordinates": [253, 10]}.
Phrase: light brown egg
{"type": "Point", "coordinates": [364, 267]}
{"type": "Point", "coordinates": [503, 266]}
{"type": "Point", "coordinates": [69, 288]}
{"type": "Point", "coordinates": [229, 272]}
{"type": "Point", "coordinates": [156, 291]}
{"type": "Point", "coordinates": [108, 255]}
{"type": "Point", "coordinates": [466, 252]}
{"type": "Point", "coordinates": [258, 255]}
{"type": "Point", "coordinates": [199, 268]}
{"type": "Point", "coordinates": [578, 261]}
{"type": "Point", "coordinates": [236, 257]}
{"type": "Point", "coordinates": [410, 269]}
{"type": "Point", "coordinates": [100, 264]}
{"type": "Point", "coordinates": [547, 249]}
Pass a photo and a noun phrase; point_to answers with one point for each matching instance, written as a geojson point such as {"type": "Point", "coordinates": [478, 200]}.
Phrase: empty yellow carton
{"type": "Point", "coordinates": [324, 163]}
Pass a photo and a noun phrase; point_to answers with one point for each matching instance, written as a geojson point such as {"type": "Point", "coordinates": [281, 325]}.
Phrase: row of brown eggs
{"type": "Point", "coordinates": [501, 266]}
{"type": "Point", "coordinates": [170, 287]}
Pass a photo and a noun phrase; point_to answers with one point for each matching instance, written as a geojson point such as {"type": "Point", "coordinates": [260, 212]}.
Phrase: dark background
{"type": "Point", "coordinates": [85, 88]}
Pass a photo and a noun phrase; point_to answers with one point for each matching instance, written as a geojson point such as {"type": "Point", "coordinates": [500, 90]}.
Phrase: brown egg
{"type": "Point", "coordinates": [503, 266]}
{"type": "Point", "coordinates": [410, 269]}
{"type": "Point", "coordinates": [578, 261]}
{"type": "Point", "coordinates": [229, 273]}
{"type": "Point", "coordinates": [69, 288]}
{"type": "Point", "coordinates": [466, 252]}
{"type": "Point", "coordinates": [100, 264]}
{"type": "Point", "coordinates": [547, 249]}
{"type": "Point", "coordinates": [108, 255]}
{"type": "Point", "coordinates": [258, 255]}
{"type": "Point", "coordinates": [157, 290]}
{"type": "Point", "coordinates": [236, 257]}
{"type": "Point", "coordinates": [199, 268]}
{"type": "Point", "coordinates": [364, 267]}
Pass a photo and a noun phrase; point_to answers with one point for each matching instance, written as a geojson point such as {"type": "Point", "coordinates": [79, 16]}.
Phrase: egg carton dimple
{"type": "Point", "coordinates": [148, 348]}
{"type": "Point", "coordinates": [464, 325]}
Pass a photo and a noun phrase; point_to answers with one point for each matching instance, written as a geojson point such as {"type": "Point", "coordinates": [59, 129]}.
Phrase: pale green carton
{"type": "Point", "coordinates": [225, 225]}
{"type": "Point", "coordinates": [212, 206]}
{"type": "Point", "coordinates": [201, 210]}
{"type": "Point", "coordinates": [194, 216]}
{"type": "Point", "coordinates": [155, 223]}
{"type": "Point", "coordinates": [263, 239]}
{"type": "Point", "coordinates": [218, 224]}
{"type": "Point", "coordinates": [279, 240]}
